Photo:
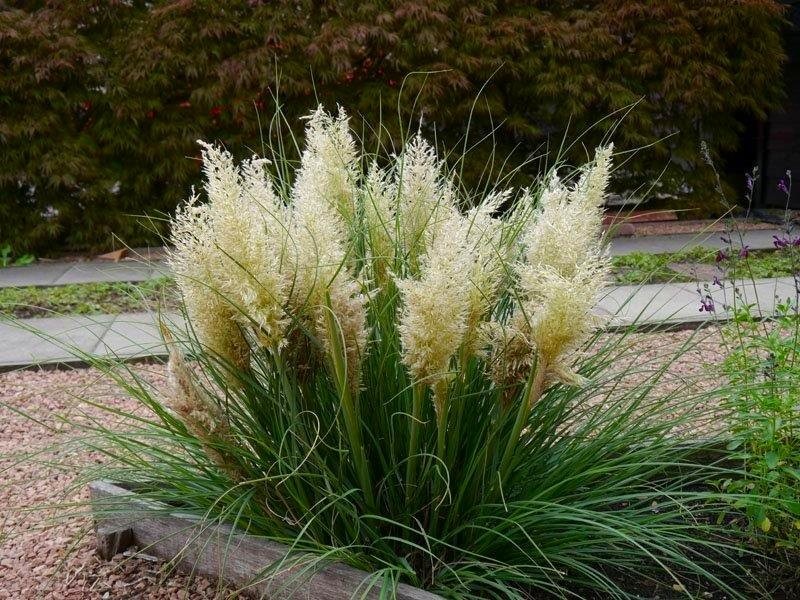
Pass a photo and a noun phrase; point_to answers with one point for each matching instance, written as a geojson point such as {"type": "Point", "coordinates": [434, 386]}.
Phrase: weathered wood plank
{"type": "Point", "coordinates": [123, 519]}
{"type": "Point", "coordinates": [111, 540]}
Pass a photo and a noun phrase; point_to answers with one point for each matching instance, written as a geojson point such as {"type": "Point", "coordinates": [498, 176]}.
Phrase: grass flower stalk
{"type": "Point", "coordinates": [350, 410]}
{"type": "Point", "coordinates": [415, 425]}
{"type": "Point", "coordinates": [534, 389]}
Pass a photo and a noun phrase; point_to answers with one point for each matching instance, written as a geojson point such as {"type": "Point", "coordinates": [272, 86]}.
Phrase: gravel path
{"type": "Point", "coordinates": [42, 554]}
{"type": "Point", "coordinates": [45, 555]}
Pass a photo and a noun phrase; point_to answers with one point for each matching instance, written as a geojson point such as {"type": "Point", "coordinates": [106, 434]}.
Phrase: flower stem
{"type": "Point", "coordinates": [418, 397]}
{"type": "Point", "coordinates": [350, 412]}
{"type": "Point", "coordinates": [288, 391]}
{"type": "Point", "coordinates": [442, 403]}
{"type": "Point", "coordinates": [442, 411]}
{"type": "Point", "coordinates": [353, 425]}
{"type": "Point", "coordinates": [533, 392]}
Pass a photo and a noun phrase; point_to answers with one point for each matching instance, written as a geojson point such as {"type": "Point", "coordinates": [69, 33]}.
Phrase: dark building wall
{"type": "Point", "coordinates": [781, 134]}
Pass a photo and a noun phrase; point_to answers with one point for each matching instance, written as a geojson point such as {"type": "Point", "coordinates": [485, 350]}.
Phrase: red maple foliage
{"type": "Point", "coordinates": [156, 76]}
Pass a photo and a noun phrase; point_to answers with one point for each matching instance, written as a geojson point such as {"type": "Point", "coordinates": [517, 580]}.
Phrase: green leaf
{"type": "Point", "coordinates": [793, 472]}
{"type": "Point", "coordinates": [765, 524]}
{"type": "Point", "coordinates": [734, 444]}
{"type": "Point", "coordinates": [772, 459]}
{"type": "Point", "coordinates": [793, 506]}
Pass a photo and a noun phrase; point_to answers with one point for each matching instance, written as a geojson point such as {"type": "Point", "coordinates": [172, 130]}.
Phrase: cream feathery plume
{"type": "Point", "coordinates": [566, 228]}
{"type": "Point", "coordinates": [317, 254]}
{"type": "Point", "coordinates": [425, 196]}
{"type": "Point", "coordinates": [227, 256]}
{"type": "Point", "coordinates": [458, 284]}
{"type": "Point", "coordinates": [204, 419]}
{"type": "Point", "coordinates": [328, 169]}
{"type": "Point", "coordinates": [349, 306]}
{"type": "Point", "coordinates": [318, 229]}
{"type": "Point", "coordinates": [561, 233]}
{"type": "Point", "coordinates": [592, 184]}
{"type": "Point", "coordinates": [436, 305]}
{"type": "Point", "coordinates": [380, 218]}
{"type": "Point", "coordinates": [319, 273]}
{"type": "Point", "coordinates": [565, 267]}
{"type": "Point", "coordinates": [194, 261]}
{"type": "Point", "coordinates": [560, 310]}
{"type": "Point", "coordinates": [249, 230]}
{"type": "Point", "coordinates": [485, 239]}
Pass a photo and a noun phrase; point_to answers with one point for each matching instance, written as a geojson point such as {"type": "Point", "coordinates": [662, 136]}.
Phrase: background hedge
{"type": "Point", "coordinates": [101, 102]}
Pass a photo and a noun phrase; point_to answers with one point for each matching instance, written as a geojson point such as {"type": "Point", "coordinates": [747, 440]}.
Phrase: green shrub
{"type": "Point", "coordinates": [9, 259]}
{"type": "Point", "coordinates": [763, 364]}
{"type": "Point", "coordinates": [57, 128]}
{"type": "Point", "coordinates": [765, 369]}
{"type": "Point", "coordinates": [101, 107]}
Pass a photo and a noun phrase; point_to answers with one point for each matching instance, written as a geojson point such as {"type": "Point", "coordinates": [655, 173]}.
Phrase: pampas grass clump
{"type": "Point", "coordinates": [384, 369]}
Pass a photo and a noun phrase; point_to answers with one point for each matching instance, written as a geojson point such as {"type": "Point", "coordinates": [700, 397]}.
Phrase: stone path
{"type": "Point", "coordinates": [60, 273]}
{"type": "Point", "coordinates": [68, 340]}
{"type": "Point", "coordinates": [758, 239]}
{"type": "Point", "coordinates": [71, 340]}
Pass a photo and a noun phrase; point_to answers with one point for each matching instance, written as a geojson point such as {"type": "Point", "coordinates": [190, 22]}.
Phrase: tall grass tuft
{"type": "Point", "coordinates": [380, 368]}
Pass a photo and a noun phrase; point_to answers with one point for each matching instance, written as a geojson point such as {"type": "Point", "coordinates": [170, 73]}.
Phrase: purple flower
{"type": "Point", "coordinates": [780, 242]}
{"type": "Point", "coordinates": [721, 256]}
{"type": "Point", "coordinates": [744, 252]}
{"type": "Point", "coordinates": [706, 304]}
{"type": "Point", "coordinates": [782, 187]}
{"type": "Point", "coordinates": [716, 281]}
{"type": "Point", "coordinates": [749, 182]}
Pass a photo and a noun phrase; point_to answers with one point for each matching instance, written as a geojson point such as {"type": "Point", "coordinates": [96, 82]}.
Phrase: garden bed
{"type": "Point", "coordinates": [87, 298]}
{"type": "Point", "coordinates": [43, 555]}
{"type": "Point", "coordinates": [696, 264]}
{"type": "Point", "coordinates": [124, 520]}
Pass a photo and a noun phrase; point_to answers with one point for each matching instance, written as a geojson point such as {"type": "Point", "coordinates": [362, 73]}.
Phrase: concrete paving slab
{"type": "Point", "coordinates": [45, 274]}
{"type": "Point", "coordinates": [62, 273]}
{"type": "Point", "coordinates": [133, 335]}
{"type": "Point", "coordinates": [50, 340]}
{"type": "Point", "coordinates": [650, 304]}
{"type": "Point", "coordinates": [33, 275]}
{"type": "Point", "coordinates": [763, 294]}
{"type": "Point", "coordinates": [160, 269]}
{"type": "Point", "coordinates": [136, 335]}
{"type": "Point", "coordinates": [97, 271]}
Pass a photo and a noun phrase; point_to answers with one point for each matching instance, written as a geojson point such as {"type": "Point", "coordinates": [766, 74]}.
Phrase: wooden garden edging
{"type": "Point", "coordinates": [219, 551]}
